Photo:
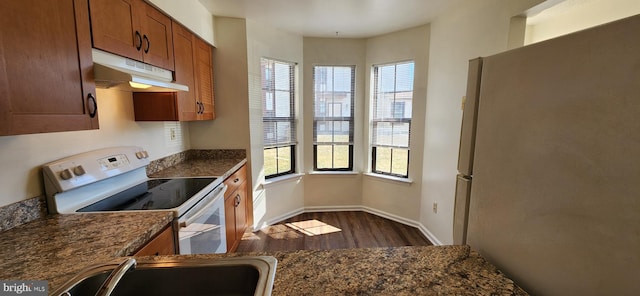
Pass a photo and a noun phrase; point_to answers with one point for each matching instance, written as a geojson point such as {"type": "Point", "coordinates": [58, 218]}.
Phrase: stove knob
{"type": "Point", "coordinates": [79, 171]}
{"type": "Point", "coordinates": [145, 154]}
{"type": "Point", "coordinates": [139, 155]}
{"type": "Point", "coordinates": [66, 174]}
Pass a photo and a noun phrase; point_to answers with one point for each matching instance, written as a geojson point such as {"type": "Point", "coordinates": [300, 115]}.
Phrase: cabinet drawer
{"type": "Point", "coordinates": [234, 181]}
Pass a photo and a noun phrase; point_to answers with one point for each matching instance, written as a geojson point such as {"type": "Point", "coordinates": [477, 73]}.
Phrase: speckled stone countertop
{"type": "Point", "coordinates": [423, 270]}
{"type": "Point", "coordinates": [198, 163]}
{"type": "Point", "coordinates": [222, 168]}
{"type": "Point", "coordinates": [59, 246]}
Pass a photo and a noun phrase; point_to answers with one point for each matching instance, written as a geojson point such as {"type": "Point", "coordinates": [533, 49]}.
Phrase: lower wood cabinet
{"type": "Point", "coordinates": [237, 208]}
{"type": "Point", "coordinates": [161, 244]}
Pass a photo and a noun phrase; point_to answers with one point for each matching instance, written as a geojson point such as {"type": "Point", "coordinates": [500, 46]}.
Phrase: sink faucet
{"type": "Point", "coordinates": [115, 276]}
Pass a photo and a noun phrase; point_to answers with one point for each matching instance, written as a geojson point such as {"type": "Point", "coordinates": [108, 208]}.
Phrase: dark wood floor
{"type": "Point", "coordinates": [332, 230]}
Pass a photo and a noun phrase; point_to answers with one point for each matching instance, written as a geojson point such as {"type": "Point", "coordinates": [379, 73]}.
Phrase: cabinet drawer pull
{"type": "Point", "coordinates": [91, 101]}
{"type": "Point", "coordinates": [138, 41]}
{"type": "Point", "coordinates": [146, 50]}
{"type": "Point", "coordinates": [236, 180]}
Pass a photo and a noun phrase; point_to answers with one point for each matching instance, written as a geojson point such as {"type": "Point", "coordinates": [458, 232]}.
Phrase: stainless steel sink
{"type": "Point", "coordinates": [221, 276]}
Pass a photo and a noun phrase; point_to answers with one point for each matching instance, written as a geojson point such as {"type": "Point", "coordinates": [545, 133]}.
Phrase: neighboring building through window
{"type": "Point", "coordinates": [391, 118]}
{"type": "Point", "coordinates": [333, 98]}
{"type": "Point", "coordinates": [278, 117]}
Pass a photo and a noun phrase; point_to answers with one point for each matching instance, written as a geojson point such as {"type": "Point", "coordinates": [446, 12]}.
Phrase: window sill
{"type": "Point", "coordinates": [333, 173]}
{"type": "Point", "coordinates": [281, 179]}
{"type": "Point", "coordinates": [392, 179]}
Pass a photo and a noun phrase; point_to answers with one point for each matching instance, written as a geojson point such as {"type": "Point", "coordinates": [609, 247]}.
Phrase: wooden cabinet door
{"type": "Point", "coordinates": [115, 27]}
{"type": "Point", "coordinates": [241, 211]}
{"type": "Point", "coordinates": [162, 244]}
{"type": "Point", "coordinates": [46, 77]}
{"type": "Point", "coordinates": [133, 29]}
{"type": "Point", "coordinates": [230, 222]}
{"type": "Point", "coordinates": [183, 45]}
{"type": "Point", "coordinates": [157, 40]}
{"type": "Point", "coordinates": [204, 78]}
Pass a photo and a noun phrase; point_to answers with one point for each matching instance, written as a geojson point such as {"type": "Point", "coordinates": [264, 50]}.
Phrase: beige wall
{"type": "Point", "coordinates": [263, 41]}
{"type": "Point", "coordinates": [393, 197]}
{"type": "Point", "coordinates": [324, 190]}
{"type": "Point", "coordinates": [574, 15]}
{"type": "Point", "coordinates": [469, 30]}
{"type": "Point", "coordinates": [192, 14]}
{"type": "Point", "coordinates": [23, 155]}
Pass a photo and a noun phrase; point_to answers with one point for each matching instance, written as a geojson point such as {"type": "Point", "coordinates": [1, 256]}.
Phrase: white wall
{"type": "Point", "coordinates": [393, 197]}
{"type": "Point", "coordinates": [264, 41]}
{"type": "Point", "coordinates": [23, 155]}
{"type": "Point", "coordinates": [466, 31]}
{"type": "Point", "coordinates": [192, 14]}
{"type": "Point", "coordinates": [330, 189]}
{"type": "Point", "coordinates": [574, 15]}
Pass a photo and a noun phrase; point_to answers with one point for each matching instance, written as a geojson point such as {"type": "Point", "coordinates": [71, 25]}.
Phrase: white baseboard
{"type": "Point", "coordinates": [425, 231]}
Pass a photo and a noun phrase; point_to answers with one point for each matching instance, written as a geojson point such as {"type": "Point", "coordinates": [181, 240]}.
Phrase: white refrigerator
{"type": "Point", "coordinates": [549, 183]}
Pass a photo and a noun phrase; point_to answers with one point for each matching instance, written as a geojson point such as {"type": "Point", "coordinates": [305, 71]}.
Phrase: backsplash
{"type": "Point", "coordinates": [22, 212]}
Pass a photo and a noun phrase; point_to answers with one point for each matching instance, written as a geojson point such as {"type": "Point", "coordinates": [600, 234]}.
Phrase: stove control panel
{"type": "Point", "coordinates": [93, 166]}
{"type": "Point", "coordinates": [114, 162]}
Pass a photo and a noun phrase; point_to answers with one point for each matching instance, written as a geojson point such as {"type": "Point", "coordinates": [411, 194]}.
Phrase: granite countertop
{"type": "Point", "coordinates": [420, 270]}
{"type": "Point", "coordinates": [57, 247]}
{"type": "Point", "coordinates": [222, 168]}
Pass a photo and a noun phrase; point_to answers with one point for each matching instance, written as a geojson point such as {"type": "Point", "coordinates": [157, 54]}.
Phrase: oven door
{"type": "Point", "coordinates": [201, 230]}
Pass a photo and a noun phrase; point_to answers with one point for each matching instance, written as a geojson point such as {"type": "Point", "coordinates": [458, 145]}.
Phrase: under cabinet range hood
{"type": "Point", "coordinates": [114, 71]}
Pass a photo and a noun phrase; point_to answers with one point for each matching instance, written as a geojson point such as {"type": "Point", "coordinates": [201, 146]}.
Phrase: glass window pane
{"type": "Point", "coordinates": [383, 159]}
{"type": "Point", "coordinates": [269, 133]}
{"type": "Point", "coordinates": [386, 78]}
{"type": "Point", "coordinates": [340, 156]}
{"type": "Point", "coordinates": [400, 134]}
{"type": "Point", "coordinates": [284, 159]}
{"type": "Point", "coordinates": [319, 104]}
{"type": "Point", "coordinates": [270, 167]}
{"type": "Point", "coordinates": [404, 77]}
{"type": "Point", "coordinates": [324, 131]}
{"type": "Point", "coordinates": [382, 133]}
{"type": "Point", "coordinates": [341, 131]}
{"type": "Point", "coordinates": [400, 162]}
{"type": "Point", "coordinates": [324, 156]}
{"type": "Point", "coordinates": [283, 132]}
{"type": "Point", "coordinates": [283, 102]}
{"type": "Point", "coordinates": [282, 73]}
{"type": "Point", "coordinates": [342, 79]}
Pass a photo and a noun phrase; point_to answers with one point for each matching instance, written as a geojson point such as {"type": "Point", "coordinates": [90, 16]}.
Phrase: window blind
{"type": "Point", "coordinates": [278, 117]}
{"type": "Point", "coordinates": [333, 123]}
{"type": "Point", "coordinates": [391, 117]}
{"type": "Point", "coordinates": [278, 113]}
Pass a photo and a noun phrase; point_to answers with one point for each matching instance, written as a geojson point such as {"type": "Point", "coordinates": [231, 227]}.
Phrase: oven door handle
{"type": "Point", "coordinates": [219, 194]}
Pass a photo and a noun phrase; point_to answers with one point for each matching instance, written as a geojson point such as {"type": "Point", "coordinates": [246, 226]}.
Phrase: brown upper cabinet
{"type": "Point", "coordinates": [133, 29]}
{"type": "Point", "coordinates": [46, 74]}
{"type": "Point", "coordinates": [194, 68]}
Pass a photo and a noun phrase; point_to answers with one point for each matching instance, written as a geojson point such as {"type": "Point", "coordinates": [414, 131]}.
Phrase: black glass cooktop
{"type": "Point", "coordinates": [154, 194]}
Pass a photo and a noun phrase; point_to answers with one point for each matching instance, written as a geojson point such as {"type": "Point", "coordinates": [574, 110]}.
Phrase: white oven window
{"type": "Point", "coordinates": [206, 234]}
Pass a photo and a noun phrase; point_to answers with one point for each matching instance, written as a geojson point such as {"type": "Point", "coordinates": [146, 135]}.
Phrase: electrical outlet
{"type": "Point", "coordinates": [172, 134]}
{"type": "Point", "coordinates": [435, 207]}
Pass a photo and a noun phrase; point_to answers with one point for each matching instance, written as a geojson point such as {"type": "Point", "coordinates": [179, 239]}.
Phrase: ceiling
{"type": "Point", "coordinates": [333, 18]}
